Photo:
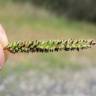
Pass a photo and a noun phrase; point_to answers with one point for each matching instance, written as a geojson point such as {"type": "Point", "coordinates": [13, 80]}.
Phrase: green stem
{"type": "Point", "coordinates": [49, 46]}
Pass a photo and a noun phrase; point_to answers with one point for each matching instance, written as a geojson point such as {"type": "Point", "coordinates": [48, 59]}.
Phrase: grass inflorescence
{"type": "Point", "coordinates": [49, 46]}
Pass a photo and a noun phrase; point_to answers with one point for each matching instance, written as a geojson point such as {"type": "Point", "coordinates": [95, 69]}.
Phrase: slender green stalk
{"type": "Point", "coordinates": [49, 46]}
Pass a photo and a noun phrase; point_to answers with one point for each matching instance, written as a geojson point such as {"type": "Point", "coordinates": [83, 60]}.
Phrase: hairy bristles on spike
{"type": "Point", "coordinates": [49, 46]}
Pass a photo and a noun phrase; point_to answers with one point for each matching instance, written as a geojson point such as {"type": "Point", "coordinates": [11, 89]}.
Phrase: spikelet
{"type": "Point", "coordinates": [49, 46]}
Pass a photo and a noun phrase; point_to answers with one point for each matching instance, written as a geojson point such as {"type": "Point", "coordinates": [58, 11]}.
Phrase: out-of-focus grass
{"type": "Point", "coordinates": [24, 18]}
{"type": "Point", "coordinates": [25, 22]}
{"type": "Point", "coordinates": [44, 63]}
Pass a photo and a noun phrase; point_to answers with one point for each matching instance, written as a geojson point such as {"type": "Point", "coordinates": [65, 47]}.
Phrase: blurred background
{"type": "Point", "coordinates": [51, 74]}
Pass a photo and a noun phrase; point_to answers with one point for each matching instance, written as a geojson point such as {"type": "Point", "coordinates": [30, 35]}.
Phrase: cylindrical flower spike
{"type": "Point", "coordinates": [39, 46]}
{"type": "Point", "coordinates": [49, 46]}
